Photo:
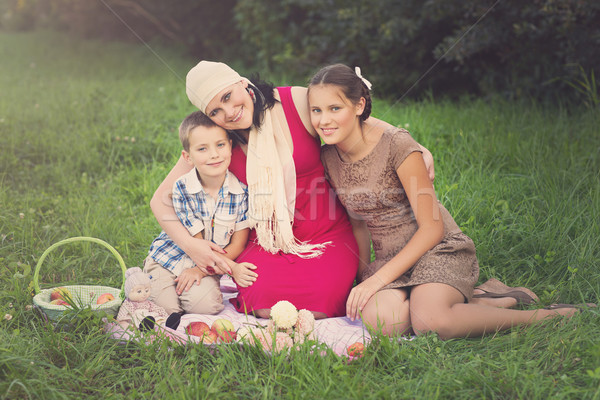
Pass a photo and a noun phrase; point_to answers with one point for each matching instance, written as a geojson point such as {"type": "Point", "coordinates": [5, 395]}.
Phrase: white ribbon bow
{"type": "Point", "coordinates": [366, 82]}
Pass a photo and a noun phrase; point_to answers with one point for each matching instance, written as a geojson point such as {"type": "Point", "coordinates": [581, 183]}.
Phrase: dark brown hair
{"type": "Point", "coordinates": [346, 79]}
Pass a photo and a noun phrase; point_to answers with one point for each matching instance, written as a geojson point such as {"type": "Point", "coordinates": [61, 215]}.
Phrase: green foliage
{"type": "Point", "coordinates": [520, 47]}
{"type": "Point", "coordinates": [201, 27]}
{"type": "Point", "coordinates": [406, 48]}
{"type": "Point", "coordinates": [586, 87]}
{"type": "Point", "coordinates": [519, 177]}
{"type": "Point", "coordinates": [451, 47]}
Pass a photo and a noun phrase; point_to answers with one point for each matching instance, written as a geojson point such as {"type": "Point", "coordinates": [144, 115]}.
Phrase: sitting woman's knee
{"type": "Point", "coordinates": [440, 324]}
{"type": "Point", "coordinates": [262, 313]}
{"type": "Point", "coordinates": [388, 321]}
{"type": "Point", "coordinates": [371, 318]}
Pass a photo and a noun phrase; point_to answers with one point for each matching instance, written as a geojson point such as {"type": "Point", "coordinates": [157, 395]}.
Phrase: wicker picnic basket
{"type": "Point", "coordinates": [80, 296]}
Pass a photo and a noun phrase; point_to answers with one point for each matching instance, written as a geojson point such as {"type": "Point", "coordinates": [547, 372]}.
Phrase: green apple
{"type": "Point", "coordinates": [222, 325]}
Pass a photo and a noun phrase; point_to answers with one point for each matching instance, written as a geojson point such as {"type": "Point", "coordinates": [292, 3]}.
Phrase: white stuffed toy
{"type": "Point", "coordinates": [137, 310]}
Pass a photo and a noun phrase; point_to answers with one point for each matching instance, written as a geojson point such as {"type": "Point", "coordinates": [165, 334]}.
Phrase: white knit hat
{"type": "Point", "coordinates": [206, 80]}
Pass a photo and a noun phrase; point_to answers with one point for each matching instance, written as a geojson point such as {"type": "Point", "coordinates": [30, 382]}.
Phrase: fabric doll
{"type": "Point", "coordinates": [137, 309]}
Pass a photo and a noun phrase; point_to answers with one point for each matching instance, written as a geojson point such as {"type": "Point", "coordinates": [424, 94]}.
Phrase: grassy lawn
{"type": "Point", "coordinates": [88, 130]}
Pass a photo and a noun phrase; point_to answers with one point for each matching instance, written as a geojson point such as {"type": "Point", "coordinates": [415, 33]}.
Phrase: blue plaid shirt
{"type": "Point", "coordinates": [198, 212]}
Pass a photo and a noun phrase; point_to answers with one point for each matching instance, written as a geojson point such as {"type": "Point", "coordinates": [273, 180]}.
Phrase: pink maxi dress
{"type": "Point", "coordinates": [317, 284]}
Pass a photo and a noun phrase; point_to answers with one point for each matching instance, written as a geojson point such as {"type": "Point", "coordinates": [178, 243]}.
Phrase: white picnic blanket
{"type": "Point", "coordinates": [337, 333]}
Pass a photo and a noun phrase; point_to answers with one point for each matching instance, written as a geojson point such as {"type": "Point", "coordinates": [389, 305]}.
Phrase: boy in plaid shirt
{"type": "Point", "coordinates": [212, 204]}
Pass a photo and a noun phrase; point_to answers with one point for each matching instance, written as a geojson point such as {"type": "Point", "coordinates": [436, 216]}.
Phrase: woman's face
{"type": "Point", "coordinates": [232, 108]}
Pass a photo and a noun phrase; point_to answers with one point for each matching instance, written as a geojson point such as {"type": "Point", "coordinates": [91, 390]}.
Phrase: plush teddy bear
{"type": "Point", "coordinates": [137, 310]}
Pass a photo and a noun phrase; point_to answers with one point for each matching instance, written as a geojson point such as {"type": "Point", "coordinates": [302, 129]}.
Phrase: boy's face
{"type": "Point", "coordinates": [210, 151]}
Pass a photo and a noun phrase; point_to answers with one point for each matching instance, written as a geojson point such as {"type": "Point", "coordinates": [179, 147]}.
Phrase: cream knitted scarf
{"type": "Point", "coordinates": [270, 169]}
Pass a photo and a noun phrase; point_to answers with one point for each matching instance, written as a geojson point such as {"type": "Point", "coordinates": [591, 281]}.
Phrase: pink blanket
{"type": "Point", "coordinates": [336, 333]}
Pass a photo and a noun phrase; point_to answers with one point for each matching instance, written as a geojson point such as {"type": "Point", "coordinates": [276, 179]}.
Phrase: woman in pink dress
{"type": "Point", "coordinates": [302, 244]}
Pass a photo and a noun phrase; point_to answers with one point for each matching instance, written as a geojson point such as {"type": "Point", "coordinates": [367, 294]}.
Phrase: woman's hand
{"type": "Point", "coordinates": [206, 254]}
{"type": "Point", "coordinates": [187, 278]}
{"type": "Point", "coordinates": [361, 294]}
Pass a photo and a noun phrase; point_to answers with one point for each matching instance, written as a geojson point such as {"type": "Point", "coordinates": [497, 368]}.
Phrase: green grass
{"type": "Point", "coordinates": [521, 179]}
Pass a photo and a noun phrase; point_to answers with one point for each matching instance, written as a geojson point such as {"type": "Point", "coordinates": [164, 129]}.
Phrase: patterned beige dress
{"type": "Point", "coordinates": [371, 190]}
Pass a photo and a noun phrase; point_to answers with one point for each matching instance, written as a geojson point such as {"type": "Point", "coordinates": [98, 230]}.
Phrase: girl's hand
{"type": "Point", "coordinates": [187, 278]}
{"type": "Point", "coordinates": [243, 275]}
{"type": "Point", "coordinates": [360, 295]}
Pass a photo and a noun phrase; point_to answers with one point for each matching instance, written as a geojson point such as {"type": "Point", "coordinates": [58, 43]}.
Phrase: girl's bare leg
{"type": "Point", "coordinates": [437, 307]}
{"type": "Point", "coordinates": [501, 302]}
{"type": "Point", "coordinates": [388, 310]}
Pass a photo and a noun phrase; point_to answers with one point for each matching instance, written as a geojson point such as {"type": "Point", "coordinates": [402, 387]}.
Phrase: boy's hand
{"type": "Point", "coordinates": [187, 278]}
{"type": "Point", "coordinates": [243, 275]}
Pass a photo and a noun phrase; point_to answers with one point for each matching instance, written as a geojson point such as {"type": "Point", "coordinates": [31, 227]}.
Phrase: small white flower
{"type": "Point", "coordinates": [305, 323]}
{"type": "Point", "coordinates": [132, 140]}
{"type": "Point", "coordinates": [407, 125]}
{"type": "Point", "coordinates": [10, 305]}
{"type": "Point", "coordinates": [284, 314]}
{"type": "Point", "coordinates": [21, 215]}
{"type": "Point", "coordinates": [28, 307]}
{"type": "Point", "coordinates": [7, 317]}
{"type": "Point", "coordinates": [244, 333]}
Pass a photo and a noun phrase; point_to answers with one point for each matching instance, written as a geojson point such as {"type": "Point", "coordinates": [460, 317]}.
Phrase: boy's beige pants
{"type": "Point", "coordinates": [203, 298]}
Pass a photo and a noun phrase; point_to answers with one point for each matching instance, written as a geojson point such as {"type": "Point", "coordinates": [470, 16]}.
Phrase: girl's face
{"type": "Point", "coordinates": [232, 108]}
{"type": "Point", "coordinates": [333, 115]}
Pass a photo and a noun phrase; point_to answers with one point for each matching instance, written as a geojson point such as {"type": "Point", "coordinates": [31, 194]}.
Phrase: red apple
{"type": "Point", "coordinates": [198, 328]}
{"type": "Point", "coordinates": [60, 293]}
{"type": "Point", "coordinates": [210, 337]}
{"type": "Point", "coordinates": [227, 336]}
{"type": "Point", "coordinates": [356, 349]}
{"type": "Point", "coordinates": [59, 302]}
{"type": "Point", "coordinates": [104, 298]}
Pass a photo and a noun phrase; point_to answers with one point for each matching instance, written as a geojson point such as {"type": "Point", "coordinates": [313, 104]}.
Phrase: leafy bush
{"type": "Point", "coordinates": [201, 26]}
{"type": "Point", "coordinates": [406, 48]}
{"type": "Point", "coordinates": [522, 47]}
{"type": "Point", "coordinates": [409, 47]}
